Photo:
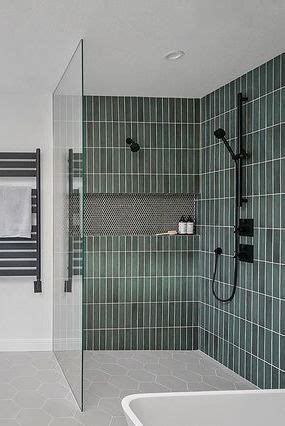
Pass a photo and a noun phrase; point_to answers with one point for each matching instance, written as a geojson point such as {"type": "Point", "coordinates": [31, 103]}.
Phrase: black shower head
{"type": "Point", "coordinates": [133, 145]}
{"type": "Point", "coordinates": [220, 133]}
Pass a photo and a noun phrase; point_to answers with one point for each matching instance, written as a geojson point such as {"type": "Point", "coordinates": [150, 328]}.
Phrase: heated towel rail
{"type": "Point", "coordinates": [22, 256]}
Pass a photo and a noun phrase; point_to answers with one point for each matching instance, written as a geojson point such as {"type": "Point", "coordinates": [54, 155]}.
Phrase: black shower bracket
{"type": "Point", "coordinates": [241, 153]}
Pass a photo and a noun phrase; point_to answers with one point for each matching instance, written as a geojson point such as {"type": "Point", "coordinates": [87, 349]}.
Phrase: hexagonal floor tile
{"type": "Point", "coordinates": [53, 390]}
{"type": "Point", "coordinates": [104, 389]}
{"type": "Point", "coordinates": [29, 399]}
{"type": "Point", "coordinates": [111, 406]}
{"type": "Point", "coordinates": [60, 408]}
{"type": "Point", "coordinates": [33, 417]}
{"type": "Point", "coordinates": [26, 383]}
{"type": "Point", "coordinates": [8, 409]}
{"type": "Point", "coordinates": [7, 391]}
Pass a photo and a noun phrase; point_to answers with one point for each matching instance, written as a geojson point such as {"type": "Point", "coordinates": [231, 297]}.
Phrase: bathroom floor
{"type": "Point", "coordinates": [33, 390]}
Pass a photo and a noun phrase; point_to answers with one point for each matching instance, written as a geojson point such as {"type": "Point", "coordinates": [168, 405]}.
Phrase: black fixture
{"type": "Point", "coordinates": [133, 145]}
{"type": "Point", "coordinates": [243, 252]}
{"type": "Point", "coordinates": [22, 256]}
{"type": "Point", "coordinates": [246, 227]}
{"type": "Point", "coordinates": [68, 282]}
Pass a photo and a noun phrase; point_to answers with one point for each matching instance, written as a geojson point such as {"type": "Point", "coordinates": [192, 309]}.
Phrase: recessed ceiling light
{"type": "Point", "coordinates": [174, 55]}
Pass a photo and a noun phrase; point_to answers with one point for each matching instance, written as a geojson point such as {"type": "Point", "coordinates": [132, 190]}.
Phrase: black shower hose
{"type": "Point", "coordinates": [218, 251]}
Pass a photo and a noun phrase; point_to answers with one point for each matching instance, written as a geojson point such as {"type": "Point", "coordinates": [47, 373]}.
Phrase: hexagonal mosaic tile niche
{"type": "Point", "coordinates": [136, 214]}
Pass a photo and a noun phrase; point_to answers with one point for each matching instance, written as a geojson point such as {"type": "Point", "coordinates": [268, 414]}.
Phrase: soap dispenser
{"type": "Point", "coordinates": [182, 227]}
{"type": "Point", "coordinates": [190, 226]}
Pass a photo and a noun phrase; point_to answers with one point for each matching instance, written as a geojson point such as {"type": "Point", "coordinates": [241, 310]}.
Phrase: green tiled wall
{"type": "Point", "coordinates": [140, 291]}
{"type": "Point", "coordinates": [248, 334]}
{"type": "Point", "coordinates": [167, 130]}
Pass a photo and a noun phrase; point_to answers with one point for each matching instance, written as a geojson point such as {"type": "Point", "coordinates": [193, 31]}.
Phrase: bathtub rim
{"type": "Point", "coordinates": [129, 398]}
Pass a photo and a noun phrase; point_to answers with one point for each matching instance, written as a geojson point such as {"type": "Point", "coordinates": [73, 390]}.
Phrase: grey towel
{"type": "Point", "coordinates": [15, 211]}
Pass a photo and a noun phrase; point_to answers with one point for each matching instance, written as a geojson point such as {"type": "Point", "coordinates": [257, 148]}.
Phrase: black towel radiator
{"type": "Point", "coordinates": [22, 256]}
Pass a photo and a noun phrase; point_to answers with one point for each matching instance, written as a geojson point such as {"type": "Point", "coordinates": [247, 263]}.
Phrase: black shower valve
{"type": "Point", "coordinates": [245, 253]}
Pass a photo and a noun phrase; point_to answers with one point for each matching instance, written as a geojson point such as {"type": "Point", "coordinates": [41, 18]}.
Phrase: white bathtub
{"type": "Point", "coordinates": [221, 408]}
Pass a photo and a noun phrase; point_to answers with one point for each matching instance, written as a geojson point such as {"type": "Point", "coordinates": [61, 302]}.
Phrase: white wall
{"type": "Point", "coordinates": [25, 317]}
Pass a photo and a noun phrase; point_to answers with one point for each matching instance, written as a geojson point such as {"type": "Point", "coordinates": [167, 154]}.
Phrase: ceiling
{"type": "Point", "coordinates": [126, 40]}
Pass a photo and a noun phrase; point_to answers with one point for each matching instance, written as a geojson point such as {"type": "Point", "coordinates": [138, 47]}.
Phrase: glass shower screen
{"type": "Point", "coordinates": [67, 219]}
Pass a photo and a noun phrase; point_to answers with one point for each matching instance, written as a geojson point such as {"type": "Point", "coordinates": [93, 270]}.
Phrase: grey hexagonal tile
{"type": "Point", "coordinates": [172, 364]}
{"type": "Point", "coordinates": [124, 382]}
{"type": "Point", "coordinates": [186, 357]}
{"type": "Point", "coordinates": [172, 383]}
{"type": "Point", "coordinates": [129, 363]}
{"type": "Point", "coordinates": [141, 375]}
{"type": "Point", "coordinates": [65, 422]}
{"type": "Point", "coordinates": [118, 421]}
{"type": "Point", "coordinates": [152, 387]}
{"type": "Point", "coordinates": [49, 376]}
{"type": "Point", "coordinates": [188, 376]}
{"type": "Point", "coordinates": [7, 391]}
{"type": "Point", "coordinates": [24, 370]}
{"type": "Point", "coordinates": [7, 375]}
{"type": "Point", "coordinates": [114, 369]}
{"type": "Point", "coordinates": [156, 368]}
{"type": "Point", "coordinates": [26, 383]}
{"type": "Point", "coordinates": [104, 389]}
{"type": "Point", "coordinates": [111, 406]}
{"type": "Point", "coordinates": [60, 408]}
{"type": "Point", "coordinates": [44, 363]}
{"type": "Point", "coordinates": [53, 390]}
{"type": "Point", "coordinates": [97, 375]}
{"type": "Point", "coordinates": [8, 409]}
{"type": "Point", "coordinates": [144, 356]}
{"type": "Point", "coordinates": [94, 417]}
{"type": "Point", "coordinates": [33, 417]}
{"type": "Point", "coordinates": [199, 387]}
{"type": "Point", "coordinates": [162, 355]}
{"type": "Point", "coordinates": [29, 399]}
{"type": "Point", "coordinates": [104, 357]}
{"type": "Point", "coordinates": [218, 382]}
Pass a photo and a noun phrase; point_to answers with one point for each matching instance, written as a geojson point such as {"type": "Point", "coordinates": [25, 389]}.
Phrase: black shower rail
{"type": "Point", "coordinates": [239, 198]}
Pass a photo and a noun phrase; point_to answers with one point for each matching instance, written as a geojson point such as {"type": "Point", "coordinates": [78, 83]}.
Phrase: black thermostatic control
{"type": "Point", "coordinates": [246, 227]}
{"type": "Point", "coordinates": [245, 253]}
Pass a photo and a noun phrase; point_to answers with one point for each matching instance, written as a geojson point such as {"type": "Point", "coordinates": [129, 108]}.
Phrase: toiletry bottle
{"type": "Point", "coordinates": [190, 226]}
{"type": "Point", "coordinates": [182, 228]}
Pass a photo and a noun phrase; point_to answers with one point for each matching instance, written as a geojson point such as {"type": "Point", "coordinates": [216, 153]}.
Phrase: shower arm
{"type": "Point", "coordinates": [229, 148]}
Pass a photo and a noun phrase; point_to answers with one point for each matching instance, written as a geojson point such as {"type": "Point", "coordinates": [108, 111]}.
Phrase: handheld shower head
{"type": "Point", "coordinates": [133, 145]}
{"type": "Point", "coordinates": [220, 133]}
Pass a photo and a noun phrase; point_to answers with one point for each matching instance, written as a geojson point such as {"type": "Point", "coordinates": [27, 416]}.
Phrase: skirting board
{"type": "Point", "coordinates": [18, 345]}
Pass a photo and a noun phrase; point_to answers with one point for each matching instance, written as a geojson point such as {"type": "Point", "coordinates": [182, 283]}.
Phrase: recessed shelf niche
{"type": "Point", "coordinates": [136, 214]}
